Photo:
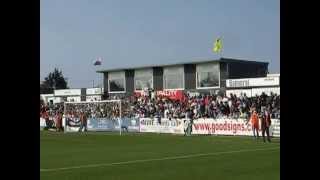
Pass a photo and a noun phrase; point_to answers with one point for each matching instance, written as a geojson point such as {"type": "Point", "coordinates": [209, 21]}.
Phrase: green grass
{"type": "Point", "coordinates": [236, 158]}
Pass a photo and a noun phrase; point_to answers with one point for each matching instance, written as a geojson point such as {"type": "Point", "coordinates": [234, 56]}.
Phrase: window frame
{"type": "Point", "coordinates": [211, 87]}
{"type": "Point", "coordinates": [124, 80]}
{"type": "Point", "coordinates": [183, 81]}
{"type": "Point", "coordinates": [134, 82]}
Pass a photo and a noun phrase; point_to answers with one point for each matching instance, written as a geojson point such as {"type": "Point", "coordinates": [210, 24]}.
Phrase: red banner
{"type": "Point", "coordinates": [171, 94]}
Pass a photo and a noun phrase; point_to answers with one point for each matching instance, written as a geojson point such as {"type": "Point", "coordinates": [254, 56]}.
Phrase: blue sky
{"type": "Point", "coordinates": [141, 32]}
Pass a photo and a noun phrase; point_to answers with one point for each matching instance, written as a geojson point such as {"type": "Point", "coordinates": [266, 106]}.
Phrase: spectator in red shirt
{"type": "Point", "coordinates": [59, 121]}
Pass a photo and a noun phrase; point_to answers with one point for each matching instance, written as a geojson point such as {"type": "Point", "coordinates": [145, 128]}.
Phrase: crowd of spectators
{"type": "Point", "coordinates": [202, 106]}
{"type": "Point", "coordinates": [206, 106]}
{"type": "Point", "coordinates": [98, 110]}
{"type": "Point", "coordinates": [52, 110]}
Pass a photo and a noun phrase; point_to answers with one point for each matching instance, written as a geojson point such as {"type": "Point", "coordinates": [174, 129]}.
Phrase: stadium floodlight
{"type": "Point", "coordinates": [107, 115]}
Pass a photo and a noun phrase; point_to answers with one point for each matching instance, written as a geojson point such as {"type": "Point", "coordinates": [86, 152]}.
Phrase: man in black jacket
{"type": "Point", "coordinates": [265, 124]}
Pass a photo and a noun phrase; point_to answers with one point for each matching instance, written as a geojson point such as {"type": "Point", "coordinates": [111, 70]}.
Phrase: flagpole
{"type": "Point", "coordinates": [97, 62]}
{"type": "Point", "coordinates": [221, 48]}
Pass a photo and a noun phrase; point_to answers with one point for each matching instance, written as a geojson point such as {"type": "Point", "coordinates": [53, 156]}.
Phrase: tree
{"type": "Point", "coordinates": [54, 80]}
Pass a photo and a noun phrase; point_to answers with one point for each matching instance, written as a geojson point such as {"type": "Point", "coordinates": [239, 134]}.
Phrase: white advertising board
{"type": "Point", "coordinates": [94, 91]}
{"type": "Point", "coordinates": [67, 92]}
{"type": "Point", "coordinates": [253, 82]}
{"type": "Point", "coordinates": [222, 127]}
{"type": "Point", "coordinates": [42, 123]}
{"type": "Point", "coordinates": [275, 128]}
{"type": "Point", "coordinates": [234, 127]}
{"type": "Point", "coordinates": [230, 127]}
{"type": "Point", "coordinates": [174, 126]}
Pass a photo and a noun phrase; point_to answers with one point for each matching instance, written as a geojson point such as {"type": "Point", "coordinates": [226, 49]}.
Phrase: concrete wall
{"type": "Point", "coordinates": [190, 76]}
{"type": "Point", "coordinates": [158, 78]}
{"type": "Point", "coordinates": [105, 82]}
{"type": "Point", "coordinates": [129, 81]}
{"type": "Point", "coordinates": [223, 74]}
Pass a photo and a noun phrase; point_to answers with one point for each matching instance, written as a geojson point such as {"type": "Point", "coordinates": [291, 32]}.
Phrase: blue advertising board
{"type": "Point", "coordinates": [107, 124]}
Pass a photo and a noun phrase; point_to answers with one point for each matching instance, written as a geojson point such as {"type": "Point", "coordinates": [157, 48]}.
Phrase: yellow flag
{"type": "Point", "coordinates": [217, 46]}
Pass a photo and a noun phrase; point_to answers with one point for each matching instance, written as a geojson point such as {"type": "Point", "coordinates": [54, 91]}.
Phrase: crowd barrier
{"type": "Point", "coordinates": [222, 126]}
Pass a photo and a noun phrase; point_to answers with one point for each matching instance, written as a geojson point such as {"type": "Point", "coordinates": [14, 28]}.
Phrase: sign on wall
{"type": "Point", "coordinates": [94, 91]}
{"type": "Point", "coordinates": [253, 82]}
{"type": "Point", "coordinates": [171, 94]}
{"type": "Point", "coordinates": [236, 127]}
{"type": "Point", "coordinates": [103, 124]}
{"type": "Point", "coordinates": [174, 126]}
{"type": "Point", "coordinates": [106, 124]}
{"type": "Point", "coordinates": [67, 92]}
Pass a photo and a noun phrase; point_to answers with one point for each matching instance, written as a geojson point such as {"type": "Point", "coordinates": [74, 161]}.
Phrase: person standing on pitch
{"type": "Point", "coordinates": [59, 121]}
{"type": "Point", "coordinates": [83, 121]}
{"type": "Point", "coordinates": [45, 116]}
{"type": "Point", "coordinates": [187, 121]}
{"type": "Point", "coordinates": [255, 124]}
{"type": "Point", "coordinates": [190, 122]}
{"type": "Point", "coordinates": [265, 124]}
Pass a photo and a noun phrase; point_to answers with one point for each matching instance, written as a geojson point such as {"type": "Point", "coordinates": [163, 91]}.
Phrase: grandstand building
{"type": "Point", "coordinates": [73, 95]}
{"type": "Point", "coordinates": [208, 76]}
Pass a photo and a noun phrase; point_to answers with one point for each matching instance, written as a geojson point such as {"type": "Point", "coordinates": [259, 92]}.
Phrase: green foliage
{"type": "Point", "coordinates": [54, 80]}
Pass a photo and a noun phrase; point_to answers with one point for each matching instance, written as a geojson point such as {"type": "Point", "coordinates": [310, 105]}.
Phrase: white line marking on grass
{"type": "Point", "coordinates": [155, 159]}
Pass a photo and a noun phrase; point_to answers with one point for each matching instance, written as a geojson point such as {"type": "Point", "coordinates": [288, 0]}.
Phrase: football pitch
{"type": "Point", "coordinates": [138, 156]}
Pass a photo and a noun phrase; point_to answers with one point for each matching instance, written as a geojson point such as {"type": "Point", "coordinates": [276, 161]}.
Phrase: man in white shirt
{"type": "Point", "coordinates": [166, 113]}
{"type": "Point", "coordinates": [187, 122]}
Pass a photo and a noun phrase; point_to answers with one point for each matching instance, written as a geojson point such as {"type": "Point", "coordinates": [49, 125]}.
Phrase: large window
{"type": "Point", "coordinates": [173, 77]}
{"type": "Point", "coordinates": [143, 82]}
{"type": "Point", "coordinates": [208, 76]}
{"type": "Point", "coordinates": [143, 79]}
{"type": "Point", "coordinates": [116, 81]}
{"type": "Point", "coordinates": [116, 85]}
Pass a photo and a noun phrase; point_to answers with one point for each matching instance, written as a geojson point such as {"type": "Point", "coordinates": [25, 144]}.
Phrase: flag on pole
{"type": "Point", "coordinates": [98, 62]}
{"type": "Point", "coordinates": [217, 46]}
